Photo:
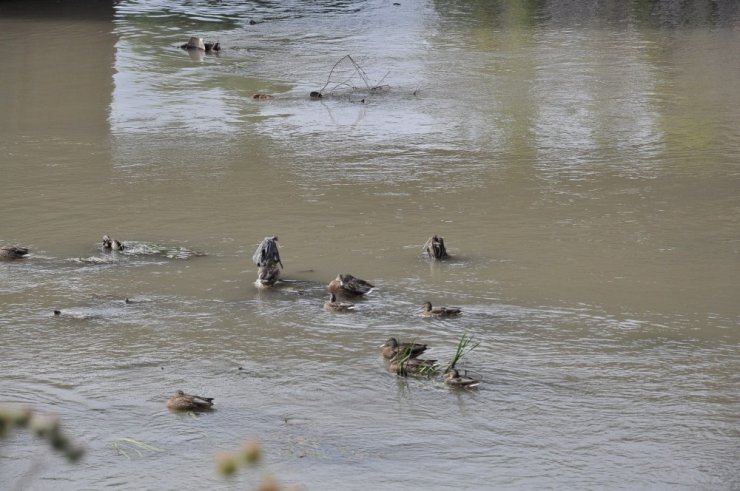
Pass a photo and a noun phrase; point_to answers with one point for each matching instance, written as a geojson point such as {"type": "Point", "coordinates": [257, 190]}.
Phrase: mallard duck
{"type": "Point", "coordinates": [333, 306]}
{"type": "Point", "coordinates": [393, 349]}
{"type": "Point", "coordinates": [435, 248]}
{"type": "Point", "coordinates": [12, 252]}
{"type": "Point", "coordinates": [348, 285]}
{"type": "Point", "coordinates": [430, 311]}
{"type": "Point", "coordinates": [186, 402]}
{"type": "Point", "coordinates": [112, 244]}
{"type": "Point", "coordinates": [412, 366]}
{"type": "Point", "coordinates": [454, 379]}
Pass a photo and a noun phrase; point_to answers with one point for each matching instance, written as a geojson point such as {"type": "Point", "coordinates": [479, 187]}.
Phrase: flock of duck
{"type": "Point", "coordinates": [403, 358]}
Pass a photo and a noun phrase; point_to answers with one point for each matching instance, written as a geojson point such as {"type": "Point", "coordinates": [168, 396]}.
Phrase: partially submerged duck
{"type": "Point", "coordinates": [12, 252]}
{"type": "Point", "coordinates": [198, 44]}
{"type": "Point", "coordinates": [112, 244]}
{"type": "Point", "coordinates": [349, 285]}
{"type": "Point", "coordinates": [454, 379]}
{"type": "Point", "coordinates": [187, 402]}
{"type": "Point", "coordinates": [430, 311]}
{"type": "Point", "coordinates": [435, 248]}
{"type": "Point", "coordinates": [333, 306]}
{"type": "Point", "coordinates": [413, 366]}
{"type": "Point", "coordinates": [392, 349]}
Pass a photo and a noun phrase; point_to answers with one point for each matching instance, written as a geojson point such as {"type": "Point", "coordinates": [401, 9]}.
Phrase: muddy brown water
{"type": "Point", "coordinates": [581, 163]}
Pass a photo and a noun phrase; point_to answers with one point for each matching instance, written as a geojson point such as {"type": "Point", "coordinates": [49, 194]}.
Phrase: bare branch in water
{"type": "Point", "coordinates": [359, 71]}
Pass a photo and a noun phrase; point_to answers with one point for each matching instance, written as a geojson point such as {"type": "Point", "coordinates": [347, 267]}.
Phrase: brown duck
{"type": "Point", "coordinates": [187, 402]}
{"type": "Point", "coordinates": [333, 306]}
{"type": "Point", "coordinates": [393, 349]}
{"type": "Point", "coordinates": [348, 285]}
{"type": "Point", "coordinates": [454, 379]}
{"type": "Point", "coordinates": [412, 366]}
{"type": "Point", "coordinates": [439, 312]}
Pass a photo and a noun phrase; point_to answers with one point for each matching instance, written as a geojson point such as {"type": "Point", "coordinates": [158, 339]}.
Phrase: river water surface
{"type": "Point", "coordinates": [581, 161]}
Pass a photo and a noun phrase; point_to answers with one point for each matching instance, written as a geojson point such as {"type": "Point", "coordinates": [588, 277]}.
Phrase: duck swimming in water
{"type": "Point", "coordinates": [197, 43]}
{"type": "Point", "coordinates": [439, 312]}
{"type": "Point", "coordinates": [392, 349]}
{"type": "Point", "coordinates": [413, 366]}
{"type": "Point", "coordinates": [12, 252]}
{"type": "Point", "coordinates": [112, 244]}
{"type": "Point", "coordinates": [333, 306]}
{"type": "Point", "coordinates": [454, 379]}
{"type": "Point", "coordinates": [187, 402]}
{"type": "Point", "coordinates": [346, 284]}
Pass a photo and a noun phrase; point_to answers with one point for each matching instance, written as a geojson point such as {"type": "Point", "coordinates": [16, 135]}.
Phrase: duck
{"type": "Point", "coordinates": [12, 252]}
{"type": "Point", "coordinates": [333, 306]}
{"type": "Point", "coordinates": [412, 366]}
{"type": "Point", "coordinates": [263, 97]}
{"type": "Point", "coordinates": [198, 44]}
{"type": "Point", "coordinates": [435, 248]}
{"type": "Point", "coordinates": [438, 312]}
{"type": "Point", "coordinates": [392, 349]}
{"type": "Point", "coordinates": [187, 402]}
{"type": "Point", "coordinates": [348, 285]}
{"type": "Point", "coordinates": [112, 244]}
{"type": "Point", "coordinates": [454, 379]}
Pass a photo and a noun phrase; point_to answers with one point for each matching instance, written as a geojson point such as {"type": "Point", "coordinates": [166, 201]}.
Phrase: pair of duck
{"type": "Point", "coordinates": [404, 361]}
{"type": "Point", "coordinates": [15, 252]}
{"type": "Point", "coordinates": [349, 286]}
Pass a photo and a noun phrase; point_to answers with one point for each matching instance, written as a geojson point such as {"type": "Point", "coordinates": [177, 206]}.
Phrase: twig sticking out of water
{"type": "Point", "coordinates": [358, 70]}
{"type": "Point", "coordinates": [464, 346]}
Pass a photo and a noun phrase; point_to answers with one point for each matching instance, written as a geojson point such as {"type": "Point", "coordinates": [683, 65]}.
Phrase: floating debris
{"type": "Point", "coordinates": [12, 252]}
{"type": "Point", "coordinates": [112, 244]}
{"type": "Point", "coordinates": [435, 248]}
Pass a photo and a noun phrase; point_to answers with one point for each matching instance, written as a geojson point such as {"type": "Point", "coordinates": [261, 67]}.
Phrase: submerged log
{"type": "Point", "coordinates": [435, 248]}
{"type": "Point", "coordinates": [267, 253]}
